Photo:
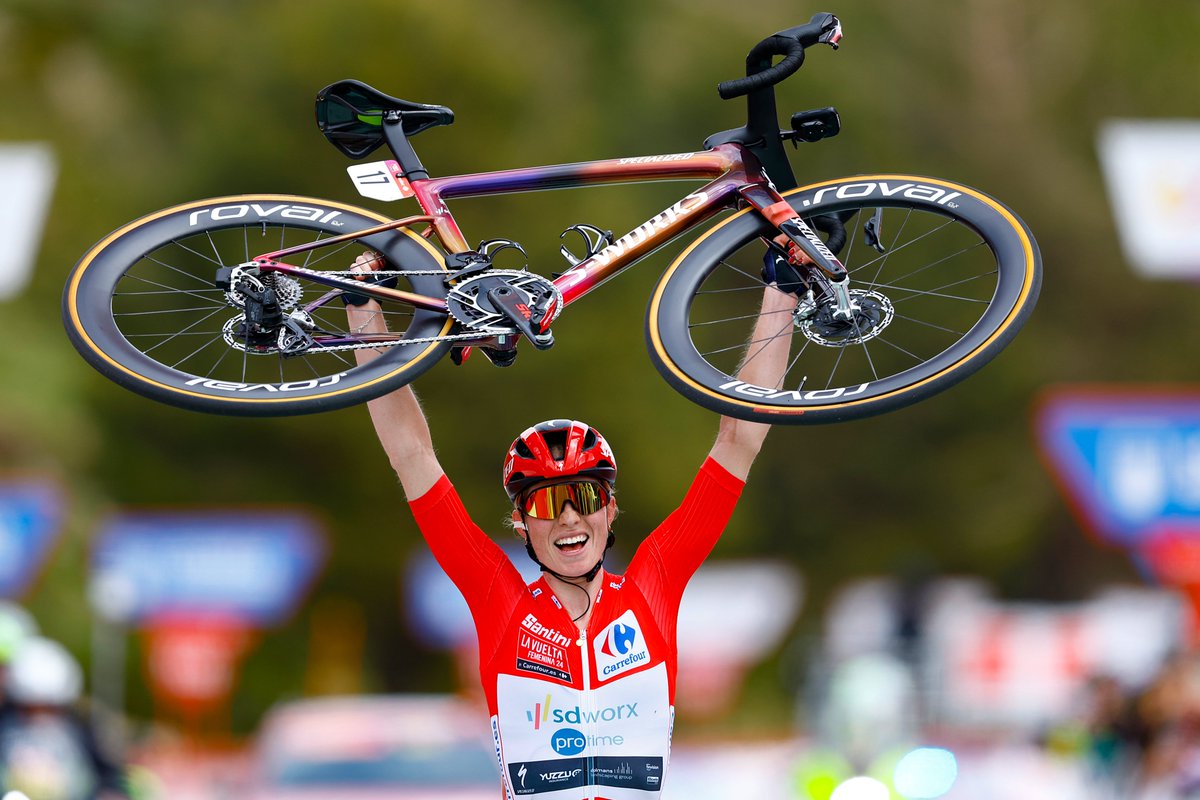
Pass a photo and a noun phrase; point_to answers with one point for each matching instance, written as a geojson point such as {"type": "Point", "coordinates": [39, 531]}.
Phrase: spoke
{"type": "Point", "coordinates": [925, 235]}
{"type": "Point", "coordinates": [866, 350]}
{"type": "Point", "coordinates": [188, 292]}
{"type": "Point", "coordinates": [765, 343]}
{"type": "Point", "coordinates": [757, 287]}
{"type": "Point", "coordinates": [895, 346]}
{"type": "Point", "coordinates": [929, 293]}
{"type": "Point", "coordinates": [176, 334]}
{"type": "Point", "coordinates": [883, 261]}
{"type": "Point", "coordinates": [216, 252]}
{"type": "Point", "coordinates": [167, 311]}
{"type": "Point", "coordinates": [735, 319]}
{"type": "Point", "coordinates": [756, 278]}
{"type": "Point", "coordinates": [836, 363]}
{"type": "Point", "coordinates": [931, 325]}
{"type": "Point", "coordinates": [194, 352]}
{"type": "Point", "coordinates": [192, 292]}
{"type": "Point", "coordinates": [173, 268]}
{"type": "Point", "coordinates": [224, 353]}
{"type": "Point", "coordinates": [171, 337]}
{"type": "Point", "coordinates": [941, 260]}
{"type": "Point", "coordinates": [740, 345]}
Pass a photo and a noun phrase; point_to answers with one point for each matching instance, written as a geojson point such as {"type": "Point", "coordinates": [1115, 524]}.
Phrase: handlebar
{"type": "Point", "coordinates": [823, 28]}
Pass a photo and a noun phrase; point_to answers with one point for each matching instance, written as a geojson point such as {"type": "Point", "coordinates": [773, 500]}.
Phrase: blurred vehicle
{"type": "Point", "coordinates": [400, 747]}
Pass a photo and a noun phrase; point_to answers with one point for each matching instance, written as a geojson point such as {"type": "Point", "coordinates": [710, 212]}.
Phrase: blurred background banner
{"type": "Point", "coordinates": [253, 566]}
{"type": "Point", "coordinates": [1152, 170]}
{"type": "Point", "coordinates": [27, 174]}
{"type": "Point", "coordinates": [31, 514]}
{"type": "Point", "coordinates": [1128, 459]}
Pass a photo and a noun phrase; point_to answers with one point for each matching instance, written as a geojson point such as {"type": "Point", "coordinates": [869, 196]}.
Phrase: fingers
{"type": "Point", "coordinates": [367, 262]}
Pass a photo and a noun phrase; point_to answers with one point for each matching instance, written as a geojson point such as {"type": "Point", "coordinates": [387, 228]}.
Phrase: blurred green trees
{"type": "Point", "coordinates": [149, 104]}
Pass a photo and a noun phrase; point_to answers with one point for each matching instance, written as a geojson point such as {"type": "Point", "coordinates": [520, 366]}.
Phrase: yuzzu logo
{"type": "Point", "coordinates": [620, 647]}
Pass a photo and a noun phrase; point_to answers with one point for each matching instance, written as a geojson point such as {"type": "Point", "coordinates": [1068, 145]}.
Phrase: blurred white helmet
{"type": "Point", "coordinates": [44, 674]}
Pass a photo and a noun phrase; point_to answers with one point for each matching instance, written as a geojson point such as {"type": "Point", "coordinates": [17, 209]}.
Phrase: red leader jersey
{"type": "Point", "coordinates": [580, 716]}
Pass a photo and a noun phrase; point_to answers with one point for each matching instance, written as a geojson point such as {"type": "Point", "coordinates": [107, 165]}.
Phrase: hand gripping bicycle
{"type": "Point", "coordinates": [906, 284]}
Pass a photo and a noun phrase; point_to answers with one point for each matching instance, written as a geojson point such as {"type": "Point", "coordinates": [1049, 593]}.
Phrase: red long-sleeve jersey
{"type": "Point", "coordinates": [580, 715]}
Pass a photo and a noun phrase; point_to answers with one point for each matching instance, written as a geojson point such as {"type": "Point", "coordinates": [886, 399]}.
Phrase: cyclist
{"type": "Point", "coordinates": [578, 667]}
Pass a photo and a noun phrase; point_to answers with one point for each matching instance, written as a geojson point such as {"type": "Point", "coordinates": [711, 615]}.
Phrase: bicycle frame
{"type": "Point", "coordinates": [734, 172]}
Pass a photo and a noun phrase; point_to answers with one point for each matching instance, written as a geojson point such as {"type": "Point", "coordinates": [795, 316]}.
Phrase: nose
{"type": "Point", "coordinates": [568, 512]}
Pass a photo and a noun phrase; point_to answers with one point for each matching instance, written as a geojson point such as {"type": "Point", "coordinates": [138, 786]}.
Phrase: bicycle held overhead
{"type": "Point", "coordinates": [906, 284]}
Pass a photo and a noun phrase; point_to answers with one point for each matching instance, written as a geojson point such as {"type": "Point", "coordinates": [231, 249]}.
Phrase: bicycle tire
{"type": "Point", "coordinates": [701, 312]}
{"type": "Point", "coordinates": [142, 307]}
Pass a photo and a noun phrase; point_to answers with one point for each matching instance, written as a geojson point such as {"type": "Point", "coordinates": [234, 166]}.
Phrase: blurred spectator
{"type": "Point", "coordinates": [16, 625]}
{"type": "Point", "coordinates": [47, 751]}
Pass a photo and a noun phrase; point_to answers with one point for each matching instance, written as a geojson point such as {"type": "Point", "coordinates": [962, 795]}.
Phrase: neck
{"type": "Point", "coordinates": [576, 594]}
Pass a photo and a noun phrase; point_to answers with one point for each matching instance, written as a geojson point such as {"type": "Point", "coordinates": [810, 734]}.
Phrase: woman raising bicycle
{"type": "Point", "coordinates": [578, 667]}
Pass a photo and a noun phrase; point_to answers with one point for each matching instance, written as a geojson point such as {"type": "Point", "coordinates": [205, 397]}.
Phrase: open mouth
{"type": "Point", "coordinates": [572, 544]}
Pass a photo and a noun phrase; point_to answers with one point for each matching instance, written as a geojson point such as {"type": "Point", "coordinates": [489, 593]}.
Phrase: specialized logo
{"type": "Point", "coordinates": [620, 647]}
{"type": "Point", "coordinates": [293, 386]}
{"type": "Point", "coordinates": [259, 211]}
{"type": "Point", "coordinates": [912, 191]}
{"type": "Point", "coordinates": [647, 229]}
{"type": "Point", "coordinates": [522, 772]}
{"type": "Point", "coordinates": [655, 159]}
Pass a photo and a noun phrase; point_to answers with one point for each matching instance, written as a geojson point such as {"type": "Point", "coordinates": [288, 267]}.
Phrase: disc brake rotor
{"type": "Point", "coordinates": [874, 313]}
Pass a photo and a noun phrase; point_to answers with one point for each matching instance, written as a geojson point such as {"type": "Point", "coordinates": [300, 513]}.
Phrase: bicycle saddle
{"type": "Point", "coordinates": [351, 113]}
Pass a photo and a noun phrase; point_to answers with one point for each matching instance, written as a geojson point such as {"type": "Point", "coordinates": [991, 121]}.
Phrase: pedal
{"type": "Point", "coordinates": [501, 356]}
{"type": "Point", "coordinates": [508, 301]}
{"type": "Point", "coordinates": [459, 355]}
{"type": "Point", "coordinates": [594, 240]}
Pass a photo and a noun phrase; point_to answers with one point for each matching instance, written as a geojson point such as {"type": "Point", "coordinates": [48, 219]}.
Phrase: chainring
{"type": "Point", "coordinates": [469, 304]}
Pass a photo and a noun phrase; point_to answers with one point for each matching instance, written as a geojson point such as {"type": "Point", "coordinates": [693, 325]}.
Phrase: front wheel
{"type": "Point", "coordinates": [945, 277]}
{"type": "Point", "coordinates": [145, 308]}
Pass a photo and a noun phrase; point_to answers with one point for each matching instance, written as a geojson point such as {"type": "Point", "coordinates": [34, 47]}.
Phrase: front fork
{"type": "Point", "coordinates": [823, 266]}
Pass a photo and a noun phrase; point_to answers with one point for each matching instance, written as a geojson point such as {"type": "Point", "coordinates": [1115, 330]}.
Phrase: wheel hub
{"type": "Point", "coordinates": [873, 312]}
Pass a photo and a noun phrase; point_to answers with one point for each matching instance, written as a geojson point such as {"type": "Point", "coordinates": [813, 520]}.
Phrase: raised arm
{"type": "Point", "coordinates": [739, 441]}
{"type": "Point", "coordinates": [399, 422]}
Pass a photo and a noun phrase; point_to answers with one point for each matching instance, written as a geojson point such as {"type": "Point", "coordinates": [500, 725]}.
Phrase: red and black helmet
{"type": "Point", "coordinates": [557, 448]}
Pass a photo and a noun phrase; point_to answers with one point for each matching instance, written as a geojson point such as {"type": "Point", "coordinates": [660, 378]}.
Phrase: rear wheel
{"type": "Point", "coordinates": [144, 308]}
{"type": "Point", "coordinates": [943, 276]}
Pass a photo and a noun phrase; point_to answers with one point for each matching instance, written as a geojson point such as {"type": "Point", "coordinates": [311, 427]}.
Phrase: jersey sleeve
{"type": "Point", "coordinates": [669, 556]}
{"type": "Point", "coordinates": [478, 567]}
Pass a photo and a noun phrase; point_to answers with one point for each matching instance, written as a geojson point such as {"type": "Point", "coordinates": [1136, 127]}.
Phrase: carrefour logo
{"type": "Point", "coordinates": [620, 647]}
{"type": "Point", "coordinates": [620, 640]}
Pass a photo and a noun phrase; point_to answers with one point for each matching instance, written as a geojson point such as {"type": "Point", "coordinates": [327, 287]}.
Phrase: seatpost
{"type": "Point", "coordinates": [406, 157]}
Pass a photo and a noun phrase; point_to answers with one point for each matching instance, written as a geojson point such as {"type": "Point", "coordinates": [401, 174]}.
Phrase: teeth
{"type": "Point", "coordinates": [571, 540]}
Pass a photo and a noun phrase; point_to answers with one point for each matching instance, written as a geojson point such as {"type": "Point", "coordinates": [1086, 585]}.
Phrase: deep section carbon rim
{"type": "Point", "coordinates": [941, 287]}
{"type": "Point", "coordinates": [143, 307]}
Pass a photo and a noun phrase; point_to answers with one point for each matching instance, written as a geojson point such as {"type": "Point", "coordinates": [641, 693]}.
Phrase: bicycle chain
{"type": "Point", "coordinates": [450, 337]}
